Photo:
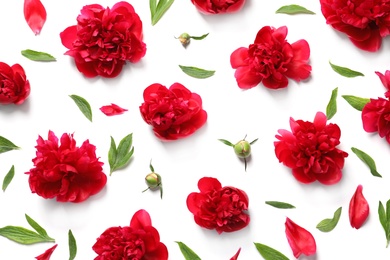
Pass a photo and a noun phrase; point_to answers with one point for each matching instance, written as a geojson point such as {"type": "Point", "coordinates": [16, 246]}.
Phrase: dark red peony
{"type": "Point", "coordinates": [271, 60]}
{"type": "Point", "coordinates": [139, 241]}
{"type": "Point", "coordinates": [173, 113]}
{"type": "Point", "coordinates": [64, 171]}
{"type": "Point", "coordinates": [310, 150]}
{"type": "Point", "coordinates": [364, 22]}
{"type": "Point", "coordinates": [104, 39]}
{"type": "Point", "coordinates": [221, 208]}
{"type": "Point", "coordinates": [14, 86]}
{"type": "Point", "coordinates": [218, 6]}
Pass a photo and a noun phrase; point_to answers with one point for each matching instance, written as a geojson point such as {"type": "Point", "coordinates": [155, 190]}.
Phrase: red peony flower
{"type": "Point", "coordinates": [310, 150]}
{"type": "Point", "coordinates": [66, 172]}
{"type": "Point", "coordinates": [364, 22]}
{"type": "Point", "coordinates": [174, 113]}
{"type": "Point", "coordinates": [104, 39]}
{"type": "Point", "coordinates": [47, 254]}
{"type": "Point", "coordinates": [221, 208]}
{"type": "Point", "coordinates": [218, 6]}
{"type": "Point", "coordinates": [300, 240]}
{"type": "Point", "coordinates": [139, 241]}
{"type": "Point", "coordinates": [271, 60]}
{"type": "Point", "coordinates": [14, 87]}
{"type": "Point", "coordinates": [358, 208]}
{"type": "Point", "coordinates": [112, 110]}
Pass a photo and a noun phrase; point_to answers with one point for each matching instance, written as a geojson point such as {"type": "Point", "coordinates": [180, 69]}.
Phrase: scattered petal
{"type": "Point", "coordinates": [358, 208]}
{"type": "Point", "coordinates": [300, 240]}
{"type": "Point", "coordinates": [35, 15]}
{"type": "Point", "coordinates": [112, 110]}
{"type": "Point", "coordinates": [47, 254]}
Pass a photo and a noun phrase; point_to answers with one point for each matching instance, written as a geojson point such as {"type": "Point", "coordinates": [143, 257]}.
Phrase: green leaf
{"type": "Point", "coordinates": [83, 105]}
{"type": "Point", "coordinates": [268, 253]}
{"type": "Point", "coordinates": [36, 226]}
{"type": "Point", "coordinates": [72, 245]}
{"type": "Point", "coordinates": [356, 102]}
{"type": "Point", "coordinates": [331, 108]}
{"type": "Point", "coordinates": [328, 224]}
{"type": "Point", "coordinates": [187, 252]}
{"type": "Point", "coordinates": [118, 157]}
{"type": "Point", "coordinates": [23, 236]}
{"type": "Point", "coordinates": [226, 142]}
{"type": "Point", "coordinates": [384, 218]}
{"type": "Point", "coordinates": [37, 56]}
{"type": "Point", "coordinates": [197, 72]}
{"type": "Point", "coordinates": [346, 72]}
{"type": "Point", "coordinates": [293, 9]}
{"type": "Point", "coordinates": [280, 205]}
{"type": "Point", "coordinates": [157, 11]}
{"type": "Point", "coordinates": [367, 160]}
{"type": "Point", "coordinates": [199, 37]}
{"type": "Point", "coordinates": [254, 141]}
{"type": "Point", "coordinates": [6, 145]}
{"type": "Point", "coordinates": [8, 178]}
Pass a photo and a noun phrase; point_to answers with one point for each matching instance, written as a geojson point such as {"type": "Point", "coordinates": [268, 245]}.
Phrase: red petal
{"type": "Point", "coordinates": [140, 219]}
{"type": "Point", "coordinates": [47, 254]}
{"type": "Point", "coordinates": [358, 208]}
{"type": "Point", "coordinates": [301, 241]}
{"type": "Point", "coordinates": [35, 15]}
{"type": "Point", "coordinates": [207, 184]}
{"type": "Point", "coordinates": [112, 110]}
{"type": "Point", "coordinates": [236, 255]}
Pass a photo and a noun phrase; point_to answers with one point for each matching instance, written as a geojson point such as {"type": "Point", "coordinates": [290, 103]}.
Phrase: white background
{"type": "Point", "coordinates": [232, 114]}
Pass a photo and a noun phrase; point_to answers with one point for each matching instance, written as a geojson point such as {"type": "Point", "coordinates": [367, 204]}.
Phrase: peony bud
{"type": "Point", "coordinates": [242, 149]}
{"type": "Point", "coordinates": [153, 180]}
{"type": "Point", "coordinates": [184, 39]}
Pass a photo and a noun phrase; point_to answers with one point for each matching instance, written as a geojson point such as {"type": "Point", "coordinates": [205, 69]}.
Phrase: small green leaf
{"type": "Point", "coordinates": [268, 253]}
{"type": "Point", "coordinates": [367, 160]}
{"type": "Point", "coordinates": [346, 72]}
{"type": "Point", "coordinates": [158, 10]}
{"type": "Point", "coordinates": [72, 245]}
{"type": "Point", "coordinates": [23, 236]}
{"type": "Point", "coordinates": [356, 102]}
{"type": "Point", "coordinates": [8, 178]}
{"type": "Point", "coordinates": [328, 224]}
{"type": "Point", "coordinates": [293, 9]}
{"type": "Point", "coordinates": [36, 226]}
{"type": "Point", "coordinates": [83, 105]}
{"type": "Point", "coordinates": [118, 157]}
{"type": "Point", "coordinates": [226, 142]}
{"type": "Point", "coordinates": [197, 72]}
{"type": "Point", "coordinates": [331, 108]}
{"type": "Point", "coordinates": [187, 252]}
{"type": "Point", "coordinates": [6, 145]}
{"type": "Point", "coordinates": [384, 218]}
{"type": "Point", "coordinates": [280, 205]}
{"type": "Point", "coordinates": [254, 141]}
{"type": "Point", "coordinates": [151, 166]}
{"type": "Point", "coordinates": [37, 56]}
{"type": "Point", "coordinates": [199, 37]}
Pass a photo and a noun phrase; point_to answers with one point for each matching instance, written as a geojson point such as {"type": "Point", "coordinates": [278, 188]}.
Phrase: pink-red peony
{"type": "Point", "coordinates": [139, 241]}
{"type": "Point", "coordinates": [271, 60]}
{"type": "Point", "coordinates": [104, 39]}
{"type": "Point", "coordinates": [64, 171]}
{"type": "Point", "coordinates": [34, 14]}
{"type": "Point", "coordinates": [300, 240]}
{"type": "Point", "coordinates": [173, 113]}
{"type": "Point", "coordinates": [14, 86]}
{"type": "Point", "coordinates": [310, 150]}
{"type": "Point", "coordinates": [358, 208]}
{"type": "Point", "coordinates": [364, 22]}
{"type": "Point", "coordinates": [218, 6]}
{"type": "Point", "coordinates": [221, 208]}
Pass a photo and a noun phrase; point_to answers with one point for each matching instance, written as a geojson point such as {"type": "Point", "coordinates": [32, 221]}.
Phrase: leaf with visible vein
{"type": "Point", "coordinates": [331, 108]}
{"type": "Point", "coordinates": [268, 253]}
{"type": "Point", "coordinates": [346, 72]}
{"type": "Point", "coordinates": [226, 142]}
{"type": "Point", "coordinates": [23, 236]}
{"type": "Point", "coordinates": [187, 252]}
{"type": "Point", "coordinates": [293, 9]}
{"type": "Point", "coordinates": [157, 11]}
{"type": "Point", "coordinates": [197, 72]}
{"type": "Point", "coordinates": [37, 55]}
{"type": "Point", "coordinates": [83, 105]}
{"type": "Point", "coordinates": [35, 226]}
{"type": "Point", "coordinates": [119, 156]}
{"type": "Point", "coordinates": [280, 205]}
{"type": "Point", "coordinates": [8, 178]}
{"type": "Point", "coordinates": [329, 224]}
{"type": "Point", "coordinates": [356, 102]}
{"type": "Point", "coordinates": [6, 145]}
{"type": "Point", "coordinates": [367, 160]}
{"type": "Point", "coordinates": [72, 245]}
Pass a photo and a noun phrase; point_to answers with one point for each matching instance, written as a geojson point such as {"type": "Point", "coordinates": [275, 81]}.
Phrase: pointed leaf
{"type": "Point", "coordinates": [23, 236]}
{"type": "Point", "coordinates": [35, 15]}
{"type": "Point", "coordinates": [197, 72]}
{"type": "Point", "coordinates": [8, 178]}
{"type": "Point", "coordinates": [151, 166]}
{"type": "Point", "coordinates": [120, 156]}
{"type": "Point", "coordinates": [199, 37]}
{"type": "Point", "coordinates": [382, 216]}
{"type": "Point", "coordinates": [328, 224]}
{"type": "Point", "coordinates": [367, 160]}
{"type": "Point", "coordinates": [83, 105]}
{"type": "Point", "coordinates": [187, 252]}
{"type": "Point", "coordinates": [331, 108]}
{"type": "Point", "coordinates": [35, 226]}
{"type": "Point", "coordinates": [268, 253]}
{"type": "Point", "coordinates": [37, 56]}
{"type": "Point", "coordinates": [112, 154]}
{"type": "Point", "coordinates": [72, 245]}
{"type": "Point", "coordinates": [346, 72]}
{"type": "Point", "coordinates": [280, 205]}
{"type": "Point", "coordinates": [293, 9]}
{"type": "Point", "coordinates": [158, 11]}
{"type": "Point", "coordinates": [6, 145]}
{"type": "Point", "coordinates": [356, 102]}
{"type": "Point", "coordinates": [226, 142]}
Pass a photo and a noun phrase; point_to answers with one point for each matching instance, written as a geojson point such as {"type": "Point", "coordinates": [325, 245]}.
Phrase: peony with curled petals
{"type": "Point", "coordinates": [221, 208]}
{"type": "Point", "coordinates": [65, 171]}
{"type": "Point", "coordinates": [14, 86]}
{"type": "Point", "coordinates": [104, 39]}
{"type": "Point", "coordinates": [139, 241]}
{"type": "Point", "coordinates": [310, 150]}
{"type": "Point", "coordinates": [218, 6]}
{"type": "Point", "coordinates": [364, 22]}
{"type": "Point", "coordinates": [300, 240]}
{"type": "Point", "coordinates": [271, 60]}
{"type": "Point", "coordinates": [173, 113]}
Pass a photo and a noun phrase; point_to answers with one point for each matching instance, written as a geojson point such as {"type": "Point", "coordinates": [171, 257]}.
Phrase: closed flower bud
{"type": "Point", "coordinates": [153, 180]}
{"type": "Point", "coordinates": [184, 39]}
{"type": "Point", "coordinates": [242, 149]}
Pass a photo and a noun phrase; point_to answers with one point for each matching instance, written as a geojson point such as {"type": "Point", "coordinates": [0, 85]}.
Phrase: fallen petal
{"type": "Point", "coordinates": [358, 208]}
{"type": "Point", "coordinates": [112, 110]}
{"type": "Point", "coordinates": [300, 240]}
{"type": "Point", "coordinates": [236, 255]}
{"type": "Point", "coordinates": [35, 15]}
{"type": "Point", "coordinates": [47, 254]}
